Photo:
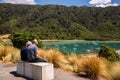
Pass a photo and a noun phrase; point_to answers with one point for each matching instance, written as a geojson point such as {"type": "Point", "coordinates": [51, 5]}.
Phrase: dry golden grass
{"type": "Point", "coordinates": [53, 56]}
{"type": "Point", "coordinates": [5, 36]}
{"type": "Point", "coordinates": [2, 51]}
{"type": "Point", "coordinates": [57, 58]}
{"type": "Point", "coordinates": [115, 70]}
{"type": "Point", "coordinates": [9, 54]}
{"type": "Point", "coordinates": [15, 55]}
{"type": "Point", "coordinates": [73, 61]}
{"type": "Point", "coordinates": [93, 67]}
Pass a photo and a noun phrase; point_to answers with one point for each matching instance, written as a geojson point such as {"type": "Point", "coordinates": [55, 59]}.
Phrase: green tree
{"type": "Point", "coordinates": [19, 39]}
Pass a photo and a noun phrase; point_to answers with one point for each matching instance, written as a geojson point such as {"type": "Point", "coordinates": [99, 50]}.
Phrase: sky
{"type": "Point", "coordinates": [96, 3]}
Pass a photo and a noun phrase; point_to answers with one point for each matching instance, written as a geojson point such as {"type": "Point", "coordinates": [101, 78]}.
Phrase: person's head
{"type": "Point", "coordinates": [28, 43]}
{"type": "Point", "coordinates": [35, 41]}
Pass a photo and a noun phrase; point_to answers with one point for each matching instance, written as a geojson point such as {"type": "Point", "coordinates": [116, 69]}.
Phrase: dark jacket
{"type": "Point", "coordinates": [23, 54]}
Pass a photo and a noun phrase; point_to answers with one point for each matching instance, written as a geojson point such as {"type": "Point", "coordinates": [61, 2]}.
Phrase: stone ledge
{"type": "Point", "coordinates": [36, 71]}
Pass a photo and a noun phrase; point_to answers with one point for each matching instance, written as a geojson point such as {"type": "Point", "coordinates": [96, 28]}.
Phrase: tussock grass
{"type": "Point", "coordinates": [94, 68]}
{"type": "Point", "coordinates": [115, 70]}
{"type": "Point", "coordinates": [3, 51]}
{"type": "Point", "coordinates": [73, 61]}
{"type": "Point", "coordinates": [15, 55]}
{"type": "Point", "coordinates": [91, 65]}
{"type": "Point", "coordinates": [5, 36]}
{"type": "Point", "coordinates": [9, 54]}
{"type": "Point", "coordinates": [53, 56]}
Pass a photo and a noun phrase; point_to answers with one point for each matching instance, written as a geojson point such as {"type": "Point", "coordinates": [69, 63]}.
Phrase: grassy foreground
{"type": "Point", "coordinates": [89, 65]}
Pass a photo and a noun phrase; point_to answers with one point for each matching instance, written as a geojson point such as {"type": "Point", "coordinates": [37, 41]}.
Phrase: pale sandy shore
{"type": "Point", "coordinates": [8, 72]}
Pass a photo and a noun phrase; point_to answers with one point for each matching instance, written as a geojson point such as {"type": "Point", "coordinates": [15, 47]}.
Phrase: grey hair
{"type": "Point", "coordinates": [28, 43]}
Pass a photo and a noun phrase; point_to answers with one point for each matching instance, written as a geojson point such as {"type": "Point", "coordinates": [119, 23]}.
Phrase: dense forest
{"type": "Point", "coordinates": [61, 22]}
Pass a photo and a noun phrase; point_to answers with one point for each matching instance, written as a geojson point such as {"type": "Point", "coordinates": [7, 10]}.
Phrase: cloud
{"type": "Point", "coordinates": [102, 3]}
{"type": "Point", "coordinates": [20, 1]}
{"type": "Point", "coordinates": [105, 5]}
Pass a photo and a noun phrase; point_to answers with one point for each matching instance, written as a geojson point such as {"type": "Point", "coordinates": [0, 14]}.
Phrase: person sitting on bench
{"type": "Point", "coordinates": [24, 51]}
{"type": "Point", "coordinates": [32, 54]}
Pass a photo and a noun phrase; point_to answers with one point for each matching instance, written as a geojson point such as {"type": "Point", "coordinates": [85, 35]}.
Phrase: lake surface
{"type": "Point", "coordinates": [80, 47]}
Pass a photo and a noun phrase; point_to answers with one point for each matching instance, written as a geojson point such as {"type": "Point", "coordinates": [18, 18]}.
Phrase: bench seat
{"type": "Point", "coordinates": [36, 71]}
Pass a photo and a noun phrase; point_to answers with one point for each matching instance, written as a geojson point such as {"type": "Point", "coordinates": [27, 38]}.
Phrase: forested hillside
{"type": "Point", "coordinates": [61, 22]}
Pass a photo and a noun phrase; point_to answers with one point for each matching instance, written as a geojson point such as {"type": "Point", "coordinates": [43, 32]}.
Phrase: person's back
{"type": "Point", "coordinates": [32, 50]}
{"type": "Point", "coordinates": [33, 53]}
{"type": "Point", "coordinates": [24, 54]}
{"type": "Point", "coordinates": [24, 51]}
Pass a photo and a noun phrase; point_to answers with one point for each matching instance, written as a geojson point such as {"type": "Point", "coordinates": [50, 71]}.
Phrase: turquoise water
{"type": "Point", "coordinates": [80, 47]}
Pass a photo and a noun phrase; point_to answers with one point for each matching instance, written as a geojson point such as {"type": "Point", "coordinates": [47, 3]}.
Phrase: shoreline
{"type": "Point", "coordinates": [6, 37]}
{"type": "Point", "coordinates": [75, 40]}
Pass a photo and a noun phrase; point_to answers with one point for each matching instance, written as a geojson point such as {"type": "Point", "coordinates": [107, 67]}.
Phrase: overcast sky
{"type": "Point", "coordinates": [96, 3]}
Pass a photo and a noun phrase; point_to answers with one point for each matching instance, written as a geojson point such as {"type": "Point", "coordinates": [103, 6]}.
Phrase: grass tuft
{"type": "Point", "coordinates": [115, 70]}
{"type": "Point", "coordinates": [73, 61]}
{"type": "Point", "coordinates": [54, 56]}
{"type": "Point", "coordinates": [9, 54]}
{"type": "Point", "coordinates": [93, 68]}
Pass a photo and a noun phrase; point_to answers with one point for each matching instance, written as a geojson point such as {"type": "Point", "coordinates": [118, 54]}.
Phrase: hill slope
{"type": "Point", "coordinates": [61, 22]}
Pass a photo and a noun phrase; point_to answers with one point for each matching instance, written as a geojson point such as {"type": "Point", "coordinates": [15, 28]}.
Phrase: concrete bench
{"type": "Point", "coordinates": [36, 71]}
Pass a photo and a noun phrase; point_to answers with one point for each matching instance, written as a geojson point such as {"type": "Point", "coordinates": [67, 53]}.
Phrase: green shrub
{"type": "Point", "coordinates": [109, 53]}
{"type": "Point", "coordinates": [19, 39]}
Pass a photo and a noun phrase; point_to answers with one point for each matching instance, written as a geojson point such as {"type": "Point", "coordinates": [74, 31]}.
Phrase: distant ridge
{"type": "Point", "coordinates": [61, 22]}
